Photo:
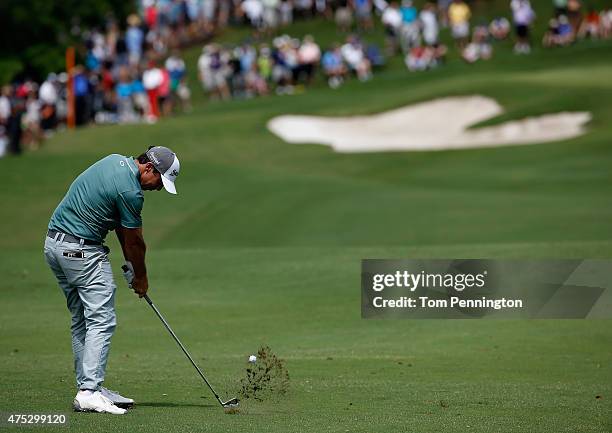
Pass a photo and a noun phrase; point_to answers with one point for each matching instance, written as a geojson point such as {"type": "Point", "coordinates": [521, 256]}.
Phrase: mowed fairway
{"type": "Point", "coordinates": [263, 246]}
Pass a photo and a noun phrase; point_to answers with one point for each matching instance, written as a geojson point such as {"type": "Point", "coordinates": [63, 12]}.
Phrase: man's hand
{"type": "Point", "coordinates": [128, 273]}
{"type": "Point", "coordinates": [140, 286]}
{"type": "Point", "coordinates": [134, 252]}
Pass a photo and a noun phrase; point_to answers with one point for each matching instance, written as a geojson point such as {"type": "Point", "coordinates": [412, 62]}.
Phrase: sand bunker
{"type": "Point", "coordinates": [440, 124]}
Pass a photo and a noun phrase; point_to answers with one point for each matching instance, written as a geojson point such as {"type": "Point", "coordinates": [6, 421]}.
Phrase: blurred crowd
{"type": "Point", "coordinates": [133, 71]}
{"type": "Point", "coordinates": [285, 67]}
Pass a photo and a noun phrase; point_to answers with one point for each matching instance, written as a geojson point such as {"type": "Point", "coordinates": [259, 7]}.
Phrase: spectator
{"type": "Point", "coordinates": [309, 55]}
{"type": "Point", "coordinates": [551, 36]}
{"type": "Point", "coordinates": [255, 84]}
{"type": "Point", "coordinates": [253, 10]}
{"type": "Point", "coordinates": [565, 33]}
{"type": "Point", "coordinates": [591, 25]}
{"type": "Point", "coordinates": [219, 68]}
{"type": "Point", "coordinates": [560, 7]}
{"type": "Point", "coordinates": [152, 79]}
{"type": "Point", "coordinates": [82, 96]}
{"type": "Point", "coordinates": [523, 15]}
{"type": "Point", "coordinates": [479, 48]}
{"type": "Point", "coordinates": [208, 8]}
{"type": "Point", "coordinates": [499, 28]}
{"type": "Point", "coordinates": [333, 67]}
{"type": "Point", "coordinates": [139, 95]}
{"type": "Point", "coordinates": [124, 89]}
{"type": "Point", "coordinates": [48, 98]}
{"type": "Point", "coordinates": [574, 14]}
{"type": "Point", "coordinates": [322, 9]}
{"type": "Point", "coordinates": [374, 56]}
{"type": "Point", "coordinates": [176, 69]}
{"type": "Point", "coordinates": [606, 23]}
{"type": "Point", "coordinates": [392, 20]}
{"type": "Point", "coordinates": [14, 125]}
{"type": "Point", "coordinates": [270, 15]}
{"type": "Point", "coordinates": [264, 63]}
{"type": "Point", "coordinates": [303, 8]}
{"type": "Point", "coordinates": [5, 104]}
{"type": "Point", "coordinates": [290, 56]}
{"type": "Point", "coordinates": [410, 36]}
{"type": "Point", "coordinates": [443, 6]}
{"type": "Point", "coordinates": [31, 120]}
{"type": "Point", "coordinates": [363, 14]}
{"type": "Point", "coordinates": [5, 114]}
{"type": "Point", "coordinates": [134, 38]}
{"type": "Point", "coordinates": [204, 69]}
{"type": "Point", "coordinates": [281, 71]}
{"type": "Point", "coordinates": [150, 13]}
{"type": "Point", "coordinates": [425, 57]}
{"type": "Point", "coordinates": [354, 56]}
{"type": "Point", "coordinates": [286, 12]}
{"type": "Point", "coordinates": [344, 16]}
{"type": "Point", "coordinates": [164, 93]}
{"type": "Point", "coordinates": [559, 33]}
{"type": "Point", "coordinates": [419, 58]}
{"type": "Point", "coordinates": [429, 22]}
{"type": "Point", "coordinates": [459, 18]}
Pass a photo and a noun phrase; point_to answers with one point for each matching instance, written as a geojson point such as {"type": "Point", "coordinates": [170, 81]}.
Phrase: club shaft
{"type": "Point", "coordinates": [146, 297]}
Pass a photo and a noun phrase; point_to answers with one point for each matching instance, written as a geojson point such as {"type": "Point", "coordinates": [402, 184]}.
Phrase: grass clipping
{"type": "Point", "coordinates": [266, 378]}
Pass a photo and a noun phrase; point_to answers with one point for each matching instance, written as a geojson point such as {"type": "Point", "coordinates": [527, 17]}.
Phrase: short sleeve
{"type": "Point", "coordinates": [130, 204]}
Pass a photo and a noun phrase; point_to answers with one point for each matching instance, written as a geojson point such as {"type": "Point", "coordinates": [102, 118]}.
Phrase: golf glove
{"type": "Point", "coordinates": [128, 273]}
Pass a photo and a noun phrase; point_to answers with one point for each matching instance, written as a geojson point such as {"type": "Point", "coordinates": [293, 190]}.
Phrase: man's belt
{"type": "Point", "coordinates": [69, 238]}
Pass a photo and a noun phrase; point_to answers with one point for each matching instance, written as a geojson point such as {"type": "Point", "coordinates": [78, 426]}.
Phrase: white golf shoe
{"type": "Point", "coordinates": [95, 402]}
{"type": "Point", "coordinates": [116, 398]}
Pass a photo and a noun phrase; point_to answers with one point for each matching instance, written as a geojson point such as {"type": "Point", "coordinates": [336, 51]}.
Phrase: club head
{"type": "Point", "coordinates": [233, 402]}
{"type": "Point", "coordinates": [231, 406]}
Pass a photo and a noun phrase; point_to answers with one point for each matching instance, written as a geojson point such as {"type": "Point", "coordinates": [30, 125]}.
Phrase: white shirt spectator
{"type": "Point", "coordinates": [204, 63]}
{"type": "Point", "coordinates": [381, 5]}
{"type": "Point", "coordinates": [392, 17]}
{"type": "Point", "coordinates": [48, 93]}
{"type": "Point", "coordinates": [32, 114]}
{"type": "Point", "coordinates": [174, 63]}
{"type": "Point", "coordinates": [204, 68]}
{"type": "Point", "coordinates": [309, 52]}
{"type": "Point", "coordinates": [352, 54]}
{"type": "Point", "coordinates": [253, 10]}
{"type": "Point", "coordinates": [430, 26]}
{"type": "Point", "coordinates": [522, 12]}
{"type": "Point", "coordinates": [303, 4]}
{"type": "Point", "coordinates": [152, 78]}
{"type": "Point", "coordinates": [271, 4]}
{"type": "Point", "coordinates": [208, 9]}
{"type": "Point", "coordinates": [5, 108]}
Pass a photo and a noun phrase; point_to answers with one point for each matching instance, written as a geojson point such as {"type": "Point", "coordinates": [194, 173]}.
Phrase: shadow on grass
{"type": "Point", "coordinates": [168, 404]}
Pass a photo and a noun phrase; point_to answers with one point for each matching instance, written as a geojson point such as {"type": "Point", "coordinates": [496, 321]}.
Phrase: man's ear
{"type": "Point", "coordinates": [149, 167]}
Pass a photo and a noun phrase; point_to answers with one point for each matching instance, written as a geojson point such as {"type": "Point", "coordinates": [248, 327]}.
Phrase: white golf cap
{"type": "Point", "coordinates": [165, 161]}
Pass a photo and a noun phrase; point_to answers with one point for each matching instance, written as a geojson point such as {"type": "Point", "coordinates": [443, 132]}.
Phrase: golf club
{"type": "Point", "coordinates": [230, 406]}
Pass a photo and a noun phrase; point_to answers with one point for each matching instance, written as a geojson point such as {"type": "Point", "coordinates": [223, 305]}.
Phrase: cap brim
{"type": "Point", "coordinates": [168, 185]}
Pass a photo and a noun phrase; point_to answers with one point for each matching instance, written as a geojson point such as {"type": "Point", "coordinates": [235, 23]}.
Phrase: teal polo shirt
{"type": "Point", "coordinates": [106, 195]}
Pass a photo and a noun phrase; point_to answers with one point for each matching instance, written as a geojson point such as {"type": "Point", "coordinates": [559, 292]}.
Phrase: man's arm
{"type": "Point", "coordinates": [119, 232]}
{"type": "Point", "coordinates": [134, 248]}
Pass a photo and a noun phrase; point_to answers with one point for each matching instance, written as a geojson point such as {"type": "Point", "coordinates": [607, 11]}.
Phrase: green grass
{"type": "Point", "coordinates": [263, 246]}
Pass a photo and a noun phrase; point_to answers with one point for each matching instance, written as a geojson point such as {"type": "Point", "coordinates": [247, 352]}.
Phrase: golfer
{"type": "Point", "coordinates": [107, 196]}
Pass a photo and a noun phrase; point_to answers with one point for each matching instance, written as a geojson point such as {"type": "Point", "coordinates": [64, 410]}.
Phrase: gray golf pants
{"type": "Point", "coordinates": [84, 273]}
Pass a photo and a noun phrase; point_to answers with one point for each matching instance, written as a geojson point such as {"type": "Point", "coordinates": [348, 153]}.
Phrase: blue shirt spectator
{"type": "Point", "coordinates": [133, 41]}
{"type": "Point", "coordinates": [409, 14]}
{"type": "Point", "coordinates": [331, 60]}
{"type": "Point", "coordinates": [124, 90]}
{"type": "Point", "coordinates": [81, 85]}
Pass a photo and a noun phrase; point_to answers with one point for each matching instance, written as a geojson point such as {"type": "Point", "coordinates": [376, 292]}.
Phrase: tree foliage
{"type": "Point", "coordinates": [35, 33]}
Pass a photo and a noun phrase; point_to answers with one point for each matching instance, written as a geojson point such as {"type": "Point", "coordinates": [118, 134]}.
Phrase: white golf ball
{"type": "Point", "coordinates": [252, 359]}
